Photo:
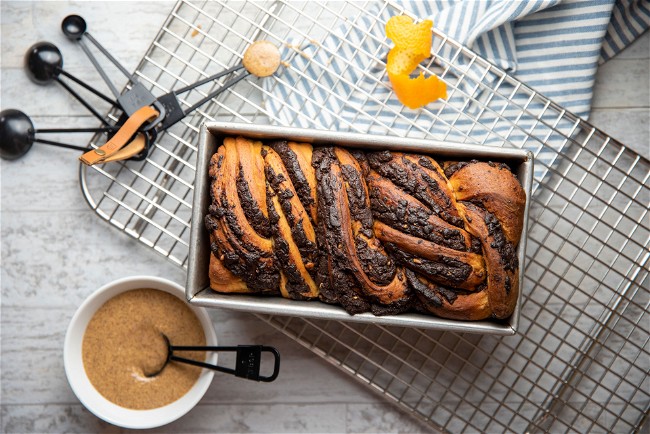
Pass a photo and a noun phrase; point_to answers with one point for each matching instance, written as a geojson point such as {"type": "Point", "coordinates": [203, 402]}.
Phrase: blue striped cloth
{"type": "Point", "coordinates": [553, 46]}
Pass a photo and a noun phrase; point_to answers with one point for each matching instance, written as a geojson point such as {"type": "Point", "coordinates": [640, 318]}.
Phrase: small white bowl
{"type": "Point", "coordinates": [91, 398]}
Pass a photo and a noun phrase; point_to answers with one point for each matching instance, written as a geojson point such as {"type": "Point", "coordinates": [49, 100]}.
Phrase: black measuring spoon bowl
{"type": "Point", "coordinates": [74, 27]}
{"type": "Point", "coordinates": [16, 134]}
{"type": "Point", "coordinates": [43, 62]}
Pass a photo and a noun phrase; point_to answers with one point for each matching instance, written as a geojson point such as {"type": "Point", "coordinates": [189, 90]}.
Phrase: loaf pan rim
{"type": "Point", "coordinates": [197, 286]}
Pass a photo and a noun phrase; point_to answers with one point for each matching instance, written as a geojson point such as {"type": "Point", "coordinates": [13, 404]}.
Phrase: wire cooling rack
{"type": "Point", "coordinates": [580, 360]}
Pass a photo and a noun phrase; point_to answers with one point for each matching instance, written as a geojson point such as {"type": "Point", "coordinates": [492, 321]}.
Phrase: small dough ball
{"type": "Point", "coordinates": [262, 58]}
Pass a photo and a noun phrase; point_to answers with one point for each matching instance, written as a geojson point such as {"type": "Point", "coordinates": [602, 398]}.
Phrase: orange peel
{"type": "Point", "coordinates": [408, 36]}
{"type": "Point", "coordinates": [403, 62]}
{"type": "Point", "coordinates": [419, 91]}
{"type": "Point", "coordinates": [412, 46]}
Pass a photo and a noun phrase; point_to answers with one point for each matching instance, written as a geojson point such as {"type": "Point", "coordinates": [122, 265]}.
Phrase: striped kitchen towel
{"type": "Point", "coordinates": [553, 46]}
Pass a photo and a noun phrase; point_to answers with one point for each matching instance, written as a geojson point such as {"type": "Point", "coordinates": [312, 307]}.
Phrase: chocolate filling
{"type": "Point", "coordinates": [415, 181]}
{"type": "Point", "coordinates": [447, 271]}
{"type": "Point", "coordinates": [506, 250]}
{"type": "Point", "coordinates": [413, 220]}
{"type": "Point", "coordinates": [433, 295]}
{"type": "Point", "coordinates": [376, 265]}
{"type": "Point", "coordinates": [379, 268]}
{"type": "Point", "coordinates": [357, 199]}
{"type": "Point", "coordinates": [252, 211]}
{"type": "Point", "coordinates": [290, 161]}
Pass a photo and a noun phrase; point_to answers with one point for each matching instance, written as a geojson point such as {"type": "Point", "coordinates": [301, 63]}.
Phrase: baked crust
{"type": "Point", "coordinates": [384, 232]}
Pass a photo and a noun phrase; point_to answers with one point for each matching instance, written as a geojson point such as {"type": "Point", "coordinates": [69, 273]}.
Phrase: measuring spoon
{"type": "Point", "coordinates": [44, 64]}
{"type": "Point", "coordinates": [74, 27]}
{"type": "Point", "coordinates": [247, 364]}
{"type": "Point", "coordinates": [17, 134]}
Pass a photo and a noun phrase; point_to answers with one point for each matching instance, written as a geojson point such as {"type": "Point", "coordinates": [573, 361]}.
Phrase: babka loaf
{"type": "Point", "coordinates": [382, 232]}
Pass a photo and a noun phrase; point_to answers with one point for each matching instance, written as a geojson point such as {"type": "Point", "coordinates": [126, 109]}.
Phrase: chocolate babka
{"type": "Point", "coordinates": [382, 232]}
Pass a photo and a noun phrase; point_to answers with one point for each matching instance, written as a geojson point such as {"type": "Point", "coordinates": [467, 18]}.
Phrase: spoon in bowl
{"type": "Point", "coordinates": [247, 364]}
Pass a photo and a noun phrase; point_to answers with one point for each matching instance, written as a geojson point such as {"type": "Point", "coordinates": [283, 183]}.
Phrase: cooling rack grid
{"type": "Point", "coordinates": [580, 359]}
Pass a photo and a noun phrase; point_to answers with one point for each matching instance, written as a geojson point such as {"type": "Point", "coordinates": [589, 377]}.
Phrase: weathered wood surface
{"type": "Point", "coordinates": [56, 252]}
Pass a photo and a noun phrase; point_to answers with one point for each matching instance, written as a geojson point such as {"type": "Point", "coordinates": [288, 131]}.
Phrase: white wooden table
{"type": "Point", "coordinates": [56, 252]}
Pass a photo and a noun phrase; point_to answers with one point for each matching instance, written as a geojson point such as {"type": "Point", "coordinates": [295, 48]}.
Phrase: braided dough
{"type": "Point", "coordinates": [382, 232]}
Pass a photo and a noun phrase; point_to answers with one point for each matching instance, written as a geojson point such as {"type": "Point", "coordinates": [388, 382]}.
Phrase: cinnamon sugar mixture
{"type": "Point", "coordinates": [123, 343]}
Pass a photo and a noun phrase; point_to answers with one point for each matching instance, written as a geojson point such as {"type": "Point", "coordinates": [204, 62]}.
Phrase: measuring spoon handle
{"type": "Point", "coordinates": [247, 365]}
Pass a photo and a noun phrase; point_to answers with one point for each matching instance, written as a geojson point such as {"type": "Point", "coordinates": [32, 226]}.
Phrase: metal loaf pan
{"type": "Point", "coordinates": [197, 286]}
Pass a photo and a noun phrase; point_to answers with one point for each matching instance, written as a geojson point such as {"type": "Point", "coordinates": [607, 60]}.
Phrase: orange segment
{"type": "Point", "coordinates": [419, 91]}
{"type": "Point", "coordinates": [412, 46]}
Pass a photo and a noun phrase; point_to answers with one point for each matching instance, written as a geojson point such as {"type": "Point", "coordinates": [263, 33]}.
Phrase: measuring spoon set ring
{"type": "Point", "coordinates": [143, 117]}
